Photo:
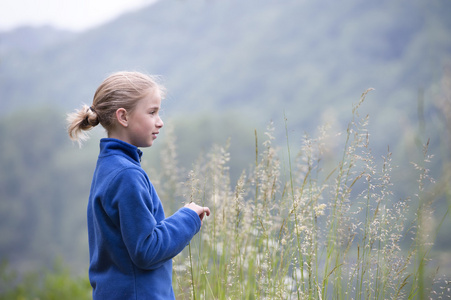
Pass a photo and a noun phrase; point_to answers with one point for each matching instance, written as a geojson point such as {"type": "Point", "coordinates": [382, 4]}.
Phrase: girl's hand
{"type": "Point", "coordinates": [200, 210]}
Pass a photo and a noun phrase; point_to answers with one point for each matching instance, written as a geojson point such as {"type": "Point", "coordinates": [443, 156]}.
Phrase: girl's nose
{"type": "Point", "coordinates": [160, 123]}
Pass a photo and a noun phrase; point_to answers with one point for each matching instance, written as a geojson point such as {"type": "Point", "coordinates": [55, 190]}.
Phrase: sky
{"type": "Point", "coordinates": [74, 15]}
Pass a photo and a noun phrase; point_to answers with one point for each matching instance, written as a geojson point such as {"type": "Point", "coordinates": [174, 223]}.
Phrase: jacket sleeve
{"type": "Point", "coordinates": [148, 242]}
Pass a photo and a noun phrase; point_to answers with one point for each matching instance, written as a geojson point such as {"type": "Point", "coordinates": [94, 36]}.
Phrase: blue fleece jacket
{"type": "Point", "coordinates": [131, 242]}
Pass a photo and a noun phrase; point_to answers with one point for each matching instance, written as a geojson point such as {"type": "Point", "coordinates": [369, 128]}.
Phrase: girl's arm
{"type": "Point", "coordinates": [149, 242]}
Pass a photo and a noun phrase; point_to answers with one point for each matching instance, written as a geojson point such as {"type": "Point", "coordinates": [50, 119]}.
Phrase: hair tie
{"type": "Point", "coordinates": [97, 117]}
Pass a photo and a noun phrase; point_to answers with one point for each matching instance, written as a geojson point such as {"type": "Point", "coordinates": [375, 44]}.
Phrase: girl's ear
{"type": "Point", "coordinates": [122, 117]}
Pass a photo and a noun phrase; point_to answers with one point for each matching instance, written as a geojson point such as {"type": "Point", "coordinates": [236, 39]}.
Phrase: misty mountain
{"type": "Point", "coordinates": [257, 56]}
{"type": "Point", "coordinates": [29, 40]}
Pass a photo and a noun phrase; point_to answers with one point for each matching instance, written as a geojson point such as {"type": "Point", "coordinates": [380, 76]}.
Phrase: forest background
{"type": "Point", "coordinates": [231, 67]}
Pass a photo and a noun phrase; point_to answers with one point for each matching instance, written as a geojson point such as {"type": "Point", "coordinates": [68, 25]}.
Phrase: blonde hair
{"type": "Point", "coordinates": [119, 90]}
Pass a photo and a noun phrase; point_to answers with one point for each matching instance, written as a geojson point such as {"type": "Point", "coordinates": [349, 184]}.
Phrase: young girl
{"type": "Point", "coordinates": [131, 242]}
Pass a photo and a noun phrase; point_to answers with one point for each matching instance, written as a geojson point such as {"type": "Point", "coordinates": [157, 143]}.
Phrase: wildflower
{"type": "Point", "coordinates": [301, 228]}
{"type": "Point", "coordinates": [319, 210]}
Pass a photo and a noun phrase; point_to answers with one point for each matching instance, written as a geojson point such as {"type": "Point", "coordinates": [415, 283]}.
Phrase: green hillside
{"type": "Point", "coordinates": [308, 58]}
{"type": "Point", "coordinates": [257, 55]}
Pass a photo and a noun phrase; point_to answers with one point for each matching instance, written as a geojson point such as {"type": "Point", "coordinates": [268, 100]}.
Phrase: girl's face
{"type": "Point", "coordinates": [144, 121]}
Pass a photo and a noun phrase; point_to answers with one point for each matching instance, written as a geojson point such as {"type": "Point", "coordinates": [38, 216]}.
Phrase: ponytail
{"type": "Point", "coordinates": [81, 121]}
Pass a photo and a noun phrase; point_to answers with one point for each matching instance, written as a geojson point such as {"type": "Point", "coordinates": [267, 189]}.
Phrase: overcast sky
{"type": "Point", "coordinates": [76, 15]}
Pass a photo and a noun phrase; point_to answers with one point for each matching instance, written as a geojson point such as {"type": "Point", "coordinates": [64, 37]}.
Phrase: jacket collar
{"type": "Point", "coordinates": [110, 146]}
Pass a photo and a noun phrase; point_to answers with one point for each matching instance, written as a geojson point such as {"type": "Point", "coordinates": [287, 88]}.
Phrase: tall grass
{"type": "Point", "coordinates": [309, 228]}
{"type": "Point", "coordinates": [295, 225]}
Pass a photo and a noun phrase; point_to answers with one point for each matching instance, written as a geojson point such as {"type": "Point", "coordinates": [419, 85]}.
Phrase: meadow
{"type": "Point", "coordinates": [310, 227]}
{"type": "Point", "coordinates": [297, 224]}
